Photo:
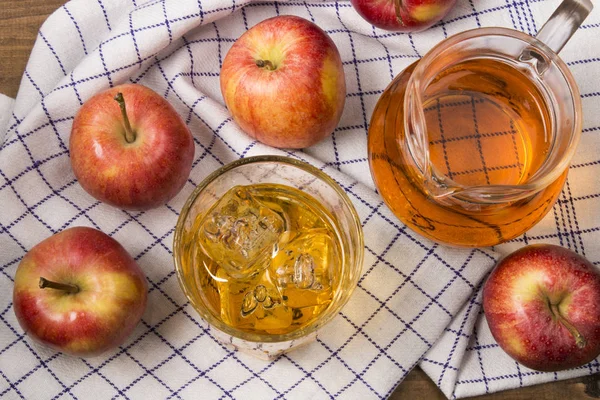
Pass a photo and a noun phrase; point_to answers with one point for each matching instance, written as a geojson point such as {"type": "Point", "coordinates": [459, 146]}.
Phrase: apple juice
{"type": "Point", "coordinates": [486, 125]}
{"type": "Point", "coordinates": [266, 258]}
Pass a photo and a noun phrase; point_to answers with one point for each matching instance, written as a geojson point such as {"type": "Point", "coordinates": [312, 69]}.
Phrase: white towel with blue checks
{"type": "Point", "coordinates": [416, 302]}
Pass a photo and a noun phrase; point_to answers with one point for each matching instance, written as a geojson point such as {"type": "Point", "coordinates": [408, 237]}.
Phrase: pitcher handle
{"type": "Point", "coordinates": [563, 23]}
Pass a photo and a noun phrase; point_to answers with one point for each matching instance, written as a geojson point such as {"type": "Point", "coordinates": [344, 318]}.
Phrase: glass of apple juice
{"type": "Point", "coordinates": [267, 250]}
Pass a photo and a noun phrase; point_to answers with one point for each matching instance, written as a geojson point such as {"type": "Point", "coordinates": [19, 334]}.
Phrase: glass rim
{"type": "Point", "coordinates": [257, 337]}
{"type": "Point", "coordinates": [538, 182]}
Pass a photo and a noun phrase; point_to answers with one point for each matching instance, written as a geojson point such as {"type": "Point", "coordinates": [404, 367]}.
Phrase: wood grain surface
{"type": "Point", "coordinates": [19, 23]}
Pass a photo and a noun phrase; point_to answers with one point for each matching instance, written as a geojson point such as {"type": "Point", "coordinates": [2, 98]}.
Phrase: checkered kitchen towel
{"type": "Point", "coordinates": [416, 302]}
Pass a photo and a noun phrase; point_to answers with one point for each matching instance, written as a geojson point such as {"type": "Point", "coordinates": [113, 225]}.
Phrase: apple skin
{"type": "Point", "coordinates": [412, 15]}
{"type": "Point", "coordinates": [299, 102]}
{"type": "Point", "coordinates": [140, 175]}
{"type": "Point", "coordinates": [517, 300]}
{"type": "Point", "coordinates": [111, 299]}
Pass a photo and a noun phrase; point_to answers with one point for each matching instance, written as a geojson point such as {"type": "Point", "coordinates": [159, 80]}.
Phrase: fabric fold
{"type": "Point", "coordinates": [6, 108]}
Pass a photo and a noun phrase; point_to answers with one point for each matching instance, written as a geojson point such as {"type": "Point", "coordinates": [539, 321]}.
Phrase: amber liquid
{"type": "Point", "coordinates": [266, 258]}
{"type": "Point", "coordinates": [487, 124]}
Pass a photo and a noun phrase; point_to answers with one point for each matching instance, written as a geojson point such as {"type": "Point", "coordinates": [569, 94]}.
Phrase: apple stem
{"type": "Point", "coordinates": [399, 5]}
{"type": "Point", "coordinates": [45, 283]}
{"type": "Point", "coordinates": [129, 133]}
{"type": "Point", "coordinates": [265, 64]}
{"type": "Point", "coordinates": [579, 339]}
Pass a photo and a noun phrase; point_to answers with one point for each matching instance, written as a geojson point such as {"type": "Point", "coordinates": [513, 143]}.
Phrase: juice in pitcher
{"type": "Point", "coordinates": [470, 146]}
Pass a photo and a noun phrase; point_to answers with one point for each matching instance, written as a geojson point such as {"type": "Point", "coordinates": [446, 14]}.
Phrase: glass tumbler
{"type": "Point", "coordinates": [266, 170]}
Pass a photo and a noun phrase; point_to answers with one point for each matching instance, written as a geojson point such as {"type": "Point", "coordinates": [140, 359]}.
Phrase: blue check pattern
{"type": "Point", "coordinates": [416, 302]}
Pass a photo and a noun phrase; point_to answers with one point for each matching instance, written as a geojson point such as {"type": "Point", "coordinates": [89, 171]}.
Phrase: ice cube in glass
{"type": "Point", "coordinates": [239, 233]}
{"type": "Point", "coordinates": [304, 267]}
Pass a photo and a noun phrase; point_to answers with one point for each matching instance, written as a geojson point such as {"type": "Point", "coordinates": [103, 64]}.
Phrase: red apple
{"type": "Point", "coordinates": [129, 148]}
{"type": "Point", "coordinates": [542, 304]}
{"type": "Point", "coordinates": [79, 292]}
{"type": "Point", "coordinates": [403, 15]}
{"type": "Point", "coordinates": [283, 82]}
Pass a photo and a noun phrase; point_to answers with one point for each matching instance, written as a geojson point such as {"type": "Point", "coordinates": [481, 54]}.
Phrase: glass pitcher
{"type": "Point", "coordinates": [470, 145]}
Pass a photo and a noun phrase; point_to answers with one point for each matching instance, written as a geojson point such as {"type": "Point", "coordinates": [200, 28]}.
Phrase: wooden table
{"type": "Point", "coordinates": [19, 23]}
